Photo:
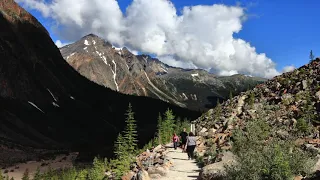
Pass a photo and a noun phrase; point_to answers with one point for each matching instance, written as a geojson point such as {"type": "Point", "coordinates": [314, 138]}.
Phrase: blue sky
{"type": "Point", "coordinates": [286, 30]}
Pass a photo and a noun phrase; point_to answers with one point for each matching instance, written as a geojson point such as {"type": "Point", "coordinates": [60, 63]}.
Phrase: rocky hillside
{"type": "Point", "coordinates": [142, 75]}
{"type": "Point", "coordinates": [45, 103]}
{"type": "Point", "coordinates": [289, 103]}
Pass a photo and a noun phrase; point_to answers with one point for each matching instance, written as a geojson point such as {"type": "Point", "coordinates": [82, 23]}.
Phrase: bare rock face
{"type": "Point", "coordinates": [142, 75]}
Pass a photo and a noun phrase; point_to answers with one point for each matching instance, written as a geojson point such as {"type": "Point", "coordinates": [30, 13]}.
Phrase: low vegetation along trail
{"type": "Point", "coordinates": [182, 168]}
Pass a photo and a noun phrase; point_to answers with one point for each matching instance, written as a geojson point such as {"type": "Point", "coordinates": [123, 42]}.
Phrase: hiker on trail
{"type": "Point", "coordinates": [175, 140]}
{"type": "Point", "coordinates": [183, 137]}
{"type": "Point", "coordinates": [191, 145]}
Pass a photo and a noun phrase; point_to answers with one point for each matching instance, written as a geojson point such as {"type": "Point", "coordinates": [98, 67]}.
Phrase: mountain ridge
{"type": "Point", "coordinates": [143, 75]}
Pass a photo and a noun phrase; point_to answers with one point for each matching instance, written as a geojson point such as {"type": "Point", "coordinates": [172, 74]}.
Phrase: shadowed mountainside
{"type": "Point", "coordinates": [45, 103]}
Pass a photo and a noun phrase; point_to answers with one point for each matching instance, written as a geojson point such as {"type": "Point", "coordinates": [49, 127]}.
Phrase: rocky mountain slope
{"type": "Point", "coordinates": [142, 75]}
{"type": "Point", "coordinates": [45, 103]}
{"type": "Point", "coordinates": [289, 103]}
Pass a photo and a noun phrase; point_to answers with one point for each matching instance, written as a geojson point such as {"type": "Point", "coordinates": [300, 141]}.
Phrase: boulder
{"type": "Point", "coordinates": [158, 170]}
{"type": "Point", "coordinates": [311, 148]}
{"type": "Point", "coordinates": [216, 171]}
{"type": "Point", "coordinates": [211, 132]}
{"type": "Point", "coordinates": [304, 84]}
{"type": "Point", "coordinates": [203, 132]}
{"type": "Point", "coordinates": [143, 175]}
{"type": "Point", "coordinates": [318, 95]}
{"type": "Point", "coordinates": [128, 176]}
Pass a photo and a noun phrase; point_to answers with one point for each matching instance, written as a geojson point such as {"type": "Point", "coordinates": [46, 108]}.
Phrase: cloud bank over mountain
{"type": "Point", "coordinates": [200, 36]}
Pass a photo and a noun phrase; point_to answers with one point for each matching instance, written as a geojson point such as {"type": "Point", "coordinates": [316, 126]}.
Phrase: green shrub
{"type": "Point", "coordinates": [97, 171]}
{"type": "Point", "coordinates": [259, 157]}
{"type": "Point", "coordinates": [302, 127]}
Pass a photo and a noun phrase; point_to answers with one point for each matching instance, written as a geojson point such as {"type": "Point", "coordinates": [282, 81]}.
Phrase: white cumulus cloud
{"type": "Point", "coordinates": [288, 69]}
{"type": "Point", "coordinates": [200, 37]}
{"type": "Point", "coordinates": [59, 44]}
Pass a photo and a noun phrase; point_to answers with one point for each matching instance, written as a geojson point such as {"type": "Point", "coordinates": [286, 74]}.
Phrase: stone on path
{"type": "Point", "coordinates": [182, 169]}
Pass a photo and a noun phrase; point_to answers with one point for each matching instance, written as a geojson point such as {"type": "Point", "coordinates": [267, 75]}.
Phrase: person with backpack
{"type": "Point", "coordinates": [191, 145]}
{"type": "Point", "coordinates": [175, 140]}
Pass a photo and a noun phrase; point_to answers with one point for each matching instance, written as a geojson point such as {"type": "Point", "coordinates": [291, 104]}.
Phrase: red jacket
{"type": "Point", "coordinates": [175, 138]}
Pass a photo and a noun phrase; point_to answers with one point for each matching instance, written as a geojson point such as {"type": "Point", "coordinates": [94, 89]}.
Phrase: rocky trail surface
{"type": "Point", "coordinates": [182, 168]}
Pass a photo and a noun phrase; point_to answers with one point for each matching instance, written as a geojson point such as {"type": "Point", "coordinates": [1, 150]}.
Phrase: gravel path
{"type": "Point", "coordinates": [182, 169]}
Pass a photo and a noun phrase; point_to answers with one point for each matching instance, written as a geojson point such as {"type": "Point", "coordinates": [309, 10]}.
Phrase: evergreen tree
{"type": "Point", "coordinates": [251, 99]}
{"type": "Point", "coordinates": [168, 125]}
{"type": "Point", "coordinates": [130, 133]}
{"type": "Point", "coordinates": [97, 171]}
{"type": "Point", "coordinates": [37, 175]}
{"type": "Point", "coordinates": [178, 125]}
{"type": "Point", "coordinates": [120, 147]}
{"type": "Point", "coordinates": [218, 110]}
{"type": "Point", "coordinates": [26, 175]}
{"type": "Point", "coordinates": [230, 95]}
{"type": "Point", "coordinates": [160, 129]}
{"type": "Point", "coordinates": [311, 56]}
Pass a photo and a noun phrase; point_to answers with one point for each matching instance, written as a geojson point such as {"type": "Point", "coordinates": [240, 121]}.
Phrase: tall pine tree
{"type": "Point", "coordinates": [169, 125]}
{"type": "Point", "coordinates": [311, 56]}
{"type": "Point", "coordinates": [218, 110]}
{"type": "Point", "coordinates": [160, 129]}
{"type": "Point", "coordinates": [130, 132]}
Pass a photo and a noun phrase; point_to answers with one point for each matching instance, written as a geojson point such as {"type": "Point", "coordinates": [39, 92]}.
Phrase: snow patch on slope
{"type": "Point", "coordinates": [86, 43]}
{"type": "Point", "coordinates": [70, 55]}
{"type": "Point", "coordinates": [35, 106]}
{"type": "Point", "coordinates": [145, 58]}
{"type": "Point", "coordinates": [55, 99]}
{"type": "Point", "coordinates": [55, 104]}
{"type": "Point", "coordinates": [115, 74]}
{"type": "Point", "coordinates": [194, 75]}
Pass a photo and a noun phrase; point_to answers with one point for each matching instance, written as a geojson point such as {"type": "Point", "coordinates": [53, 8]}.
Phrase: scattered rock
{"type": "Point", "coordinates": [216, 171]}
{"type": "Point", "coordinates": [128, 176]}
{"type": "Point", "coordinates": [311, 148]}
{"type": "Point", "coordinates": [155, 176]}
{"type": "Point", "coordinates": [283, 134]}
{"type": "Point", "coordinates": [143, 175]}
{"type": "Point", "coordinates": [158, 170]}
{"type": "Point", "coordinates": [211, 132]}
{"type": "Point", "coordinates": [318, 95]}
{"type": "Point", "coordinates": [203, 132]}
{"type": "Point", "coordinates": [304, 84]}
{"type": "Point", "coordinates": [298, 178]}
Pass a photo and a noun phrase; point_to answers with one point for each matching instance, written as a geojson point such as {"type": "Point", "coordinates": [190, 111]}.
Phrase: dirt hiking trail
{"type": "Point", "coordinates": [182, 169]}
